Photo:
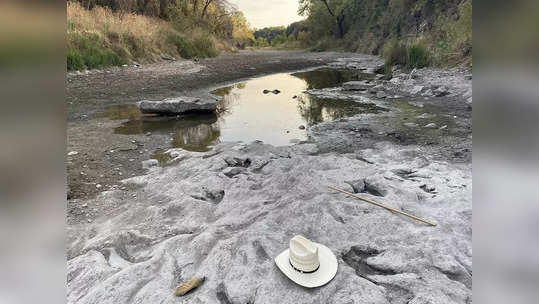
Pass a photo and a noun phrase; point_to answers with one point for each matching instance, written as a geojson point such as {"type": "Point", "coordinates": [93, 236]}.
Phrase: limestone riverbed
{"type": "Point", "coordinates": [225, 211]}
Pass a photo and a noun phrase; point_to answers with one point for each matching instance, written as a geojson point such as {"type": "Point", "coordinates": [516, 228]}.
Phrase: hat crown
{"type": "Point", "coordinates": [303, 254]}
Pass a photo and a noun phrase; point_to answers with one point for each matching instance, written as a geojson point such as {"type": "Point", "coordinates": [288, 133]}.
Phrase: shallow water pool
{"type": "Point", "coordinates": [247, 114]}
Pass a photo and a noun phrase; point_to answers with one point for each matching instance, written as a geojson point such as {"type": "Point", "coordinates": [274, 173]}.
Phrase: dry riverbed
{"type": "Point", "coordinates": [225, 209]}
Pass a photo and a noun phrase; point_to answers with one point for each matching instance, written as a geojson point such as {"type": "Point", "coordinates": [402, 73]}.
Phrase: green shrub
{"type": "Point", "coordinates": [183, 46]}
{"type": "Point", "coordinates": [199, 47]}
{"type": "Point", "coordinates": [279, 39]}
{"type": "Point", "coordinates": [261, 42]}
{"type": "Point", "coordinates": [322, 45]}
{"type": "Point", "coordinates": [395, 53]}
{"type": "Point", "coordinates": [418, 56]}
{"type": "Point", "coordinates": [75, 60]}
{"type": "Point", "coordinates": [100, 58]}
{"type": "Point", "coordinates": [412, 56]}
{"type": "Point", "coordinates": [205, 47]}
{"type": "Point", "coordinates": [89, 51]}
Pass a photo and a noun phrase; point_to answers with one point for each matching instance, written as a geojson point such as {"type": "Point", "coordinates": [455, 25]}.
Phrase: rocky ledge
{"type": "Point", "coordinates": [178, 105]}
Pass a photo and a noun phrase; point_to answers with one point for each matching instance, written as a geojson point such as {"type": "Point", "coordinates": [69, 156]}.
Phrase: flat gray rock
{"type": "Point", "coordinates": [356, 86]}
{"type": "Point", "coordinates": [178, 105]}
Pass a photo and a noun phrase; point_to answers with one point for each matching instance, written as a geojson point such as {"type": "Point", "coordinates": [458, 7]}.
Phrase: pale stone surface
{"type": "Point", "coordinates": [147, 164]}
{"type": "Point", "coordinates": [179, 232]}
{"type": "Point", "coordinates": [178, 105]}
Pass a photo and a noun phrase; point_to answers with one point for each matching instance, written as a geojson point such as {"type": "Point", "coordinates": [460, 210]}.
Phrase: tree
{"type": "Point", "coordinates": [335, 8]}
{"type": "Point", "coordinates": [205, 9]}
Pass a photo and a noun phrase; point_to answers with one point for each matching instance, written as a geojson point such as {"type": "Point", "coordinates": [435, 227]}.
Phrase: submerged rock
{"type": "Point", "coordinates": [178, 105]}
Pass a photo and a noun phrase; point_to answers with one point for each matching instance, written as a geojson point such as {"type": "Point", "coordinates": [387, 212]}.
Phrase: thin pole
{"type": "Point", "coordinates": [383, 206]}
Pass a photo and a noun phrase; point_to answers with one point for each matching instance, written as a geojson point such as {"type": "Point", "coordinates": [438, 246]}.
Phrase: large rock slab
{"type": "Point", "coordinates": [178, 105]}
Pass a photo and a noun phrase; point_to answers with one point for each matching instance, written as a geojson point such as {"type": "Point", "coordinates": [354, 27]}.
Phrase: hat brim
{"type": "Point", "coordinates": [325, 273]}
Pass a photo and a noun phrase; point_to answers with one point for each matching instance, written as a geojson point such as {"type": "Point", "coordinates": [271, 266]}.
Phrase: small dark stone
{"type": "Point", "coordinates": [358, 185]}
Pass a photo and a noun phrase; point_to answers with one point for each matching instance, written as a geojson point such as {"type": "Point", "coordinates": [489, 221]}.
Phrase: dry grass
{"type": "Point", "coordinates": [100, 37]}
{"type": "Point", "coordinates": [135, 37]}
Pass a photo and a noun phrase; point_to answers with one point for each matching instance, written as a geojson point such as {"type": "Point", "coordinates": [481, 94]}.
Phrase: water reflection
{"type": "Point", "coordinates": [327, 78]}
{"type": "Point", "coordinates": [197, 138]}
{"type": "Point", "coordinates": [316, 110]}
{"type": "Point", "coordinates": [193, 133]}
{"type": "Point", "coordinates": [246, 114]}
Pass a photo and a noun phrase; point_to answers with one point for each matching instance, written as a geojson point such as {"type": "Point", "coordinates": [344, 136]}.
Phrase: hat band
{"type": "Point", "coordinates": [302, 270]}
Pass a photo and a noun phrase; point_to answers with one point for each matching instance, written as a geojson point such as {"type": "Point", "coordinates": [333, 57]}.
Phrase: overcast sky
{"type": "Point", "coordinates": [263, 13]}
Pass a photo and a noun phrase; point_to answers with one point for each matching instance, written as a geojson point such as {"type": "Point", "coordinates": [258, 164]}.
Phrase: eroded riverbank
{"type": "Point", "coordinates": [226, 212]}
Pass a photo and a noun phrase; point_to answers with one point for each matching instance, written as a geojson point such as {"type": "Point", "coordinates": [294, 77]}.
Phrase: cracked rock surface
{"type": "Point", "coordinates": [171, 236]}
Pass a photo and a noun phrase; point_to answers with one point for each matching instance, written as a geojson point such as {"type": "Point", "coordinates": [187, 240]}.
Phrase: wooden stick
{"type": "Point", "coordinates": [380, 205]}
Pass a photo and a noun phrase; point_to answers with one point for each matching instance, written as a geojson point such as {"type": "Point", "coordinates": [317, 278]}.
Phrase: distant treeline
{"type": "Point", "coordinates": [279, 35]}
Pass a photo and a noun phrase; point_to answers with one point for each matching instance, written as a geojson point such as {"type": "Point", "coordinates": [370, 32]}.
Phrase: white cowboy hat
{"type": "Point", "coordinates": [307, 263]}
